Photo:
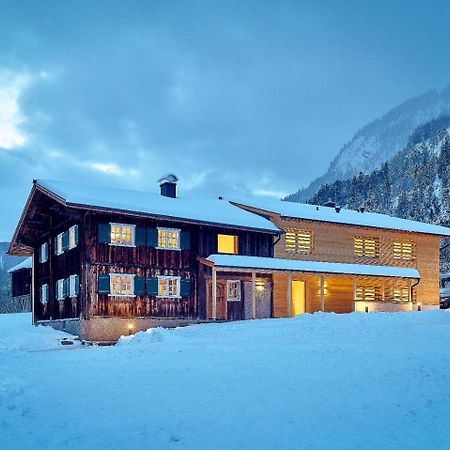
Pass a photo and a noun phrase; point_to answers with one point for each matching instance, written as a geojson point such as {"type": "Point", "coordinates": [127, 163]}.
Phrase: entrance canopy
{"type": "Point", "coordinates": [291, 265]}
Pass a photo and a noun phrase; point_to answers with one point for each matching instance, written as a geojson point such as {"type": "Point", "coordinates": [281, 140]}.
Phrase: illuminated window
{"type": "Point", "coordinates": [73, 236]}
{"type": "Point", "coordinates": [122, 234]}
{"type": "Point", "coordinates": [400, 294]}
{"type": "Point", "coordinates": [227, 243]}
{"type": "Point", "coordinates": [169, 287]}
{"type": "Point", "coordinates": [299, 241]}
{"type": "Point", "coordinates": [44, 293]}
{"type": "Point", "coordinates": [121, 285]}
{"type": "Point", "coordinates": [233, 291]}
{"type": "Point", "coordinates": [368, 293]}
{"type": "Point", "coordinates": [368, 247]}
{"type": "Point", "coordinates": [404, 250]}
{"type": "Point", "coordinates": [169, 238]}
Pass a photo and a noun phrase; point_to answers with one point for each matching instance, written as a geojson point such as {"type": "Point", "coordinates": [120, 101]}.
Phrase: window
{"type": "Point", "coordinates": [60, 294]}
{"type": "Point", "coordinates": [400, 294]}
{"type": "Point", "coordinates": [44, 293]}
{"type": "Point", "coordinates": [43, 253]}
{"type": "Point", "coordinates": [73, 236]}
{"type": "Point", "coordinates": [404, 250]}
{"type": "Point", "coordinates": [233, 291]}
{"type": "Point", "coordinates": [227, 243]}
{"type": "Point", "coordinates": [73, 286]}
{"type": "Point", "coordinates": [122, 234]}
{"type": "Point", "coordinates": [122, 285]}
{"type": "Point", "coordinates": [368, 247]}
{"type": "Point", "coordinates": [299, 241]}
{"type": "Point", "coordinates": [169, 287]}
{"type": "Point", "coordinates": [169, 238]}
{"type": "Point", "coordinates": [368, 293]}
{"type": "Point", "coordinates": [59, 244]}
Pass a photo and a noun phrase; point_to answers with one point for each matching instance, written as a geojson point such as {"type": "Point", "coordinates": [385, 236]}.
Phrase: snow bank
{"type": "Point", "coordinates": [317, 381]}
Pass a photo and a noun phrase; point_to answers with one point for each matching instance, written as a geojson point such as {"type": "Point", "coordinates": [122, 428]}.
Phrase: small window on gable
{"type": "Point", "coordinates": [59, 244]}
{"type": "Point", "coordinates": [227, 243]}
{"type": "Point", "coordinates": [121, 284]}
{"type": "Point", "coordinates": [169, 287]}
{"type": "Point", "coordinates": [405, 251]}
{"type": "Point", "coordinates": [233, 291]}
{"type": "Point", "coordinates": [122, 234]}
{"type": "Point", "coordinates": [43, 253]}
{"type": "Point", "coordinates": [367, 247]}
{"type": "Point", "coordinates": [299, 241]}
{"type": "Point", "coordinates": [169, 238]}
{"type": "Point", "coordinates": [73, 236]}
{"type": "Point", "coordinates": [44, 293]}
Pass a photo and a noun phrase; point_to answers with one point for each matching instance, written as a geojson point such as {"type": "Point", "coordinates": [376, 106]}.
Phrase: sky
{"type": "Point", "coordinates": [248, 98]}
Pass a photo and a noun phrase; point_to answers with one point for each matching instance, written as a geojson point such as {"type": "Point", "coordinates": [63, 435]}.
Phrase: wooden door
{"type": "Point", "coordinates": [221, 311]}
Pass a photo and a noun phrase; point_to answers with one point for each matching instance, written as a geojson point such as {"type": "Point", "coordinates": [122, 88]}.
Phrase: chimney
{"type": "Point", "coordinates": [168, 185]}
{"type": "Point", "coordinates": [338, 209]}
{"type": "Point", "coordinates": [362, 209]}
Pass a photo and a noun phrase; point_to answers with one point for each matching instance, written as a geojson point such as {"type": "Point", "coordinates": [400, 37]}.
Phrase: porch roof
{"type": "Point", "coordinates": [292, 265]}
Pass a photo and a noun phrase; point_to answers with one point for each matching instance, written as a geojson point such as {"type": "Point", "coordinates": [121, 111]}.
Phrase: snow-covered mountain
{"type": "Point", "coordinates": [380, 140]}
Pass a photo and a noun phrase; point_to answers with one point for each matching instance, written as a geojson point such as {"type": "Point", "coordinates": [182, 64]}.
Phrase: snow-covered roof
{"type": "Point", "coordinates": [344, 216]}
{"type": "Point", "coordinates": [211, 211]}
{"type": "Point", "coordinates": [25, 264]}
{"type": "Point", "coordinates": [295, 265]}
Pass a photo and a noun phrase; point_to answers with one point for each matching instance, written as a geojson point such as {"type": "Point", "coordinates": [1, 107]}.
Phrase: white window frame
{"type": "Point", "coordinates": [41, 253]}
{"type": "Point", "coordinates": [60, 289]}
{"type": "Point", "coordinates": [72, 243]}
{"type": "Point", "coordinates": [72, 287]}
{"type": "Point", "coordinates": [59, 244]}
{"type": "Point", "coordinates": [234, 299]}
{"type": "Point", "coordinates": [121, 275]}
{"type": "Point", "coordinates": [133, 234]}
{"type": "Point", "coordinates": [178, 293]}
{"type": "Point", "coordinates": [177, 230]}
{"type": "Point", "coordinates": [44, 294]}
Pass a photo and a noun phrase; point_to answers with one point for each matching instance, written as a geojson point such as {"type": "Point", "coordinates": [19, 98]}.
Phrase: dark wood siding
{"type": "Point", "coordinates": [21, 282]}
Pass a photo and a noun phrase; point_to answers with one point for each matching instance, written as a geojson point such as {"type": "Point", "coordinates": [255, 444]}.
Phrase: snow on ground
{"type": "Point", "coordinates": [321, 381]}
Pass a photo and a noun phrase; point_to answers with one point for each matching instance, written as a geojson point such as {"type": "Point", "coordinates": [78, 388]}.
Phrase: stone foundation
{"type": "Point", "coordinates": [71, 326]}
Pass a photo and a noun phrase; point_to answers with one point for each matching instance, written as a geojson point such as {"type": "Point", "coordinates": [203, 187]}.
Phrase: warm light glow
{"type": "Point", "coordinates": [297, 297]}
{"type": "Point", "coordinates": [227, 243]}
{"type": "Point", "coordinates": [130, 326]}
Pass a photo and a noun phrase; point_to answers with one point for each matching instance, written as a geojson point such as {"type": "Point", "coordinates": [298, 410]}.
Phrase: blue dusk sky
{"type": "Point", "coordinates": [241, 97]}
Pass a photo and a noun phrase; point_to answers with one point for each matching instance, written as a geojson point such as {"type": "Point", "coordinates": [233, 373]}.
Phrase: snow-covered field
{"type": "Point", "coordinates": [317, 381]}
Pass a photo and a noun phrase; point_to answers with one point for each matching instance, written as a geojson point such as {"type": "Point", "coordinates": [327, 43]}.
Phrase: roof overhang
{"type": "Point", "coordinates": [264, 264]}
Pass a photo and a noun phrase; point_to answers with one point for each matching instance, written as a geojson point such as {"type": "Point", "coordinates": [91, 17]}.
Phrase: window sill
{"type": "Point", "coordinates": [122, 245]}
{"type": "Point", "coordinates": [167, 248]}
{"type": "Point", "coordinates": [169, 297]}
{"type": "Point", "coordinates": [122, 295]}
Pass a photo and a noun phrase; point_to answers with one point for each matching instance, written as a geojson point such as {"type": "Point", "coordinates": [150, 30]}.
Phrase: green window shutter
{"type": "Point", "coordinates": [139, 237]}
{"type": "Point", "coordinates": [45, 253]}
{"type": "Point", "coordinates": [103, 284]}
{"type": "Point", "coordinates": [65, 241]}
{"type": "Point", "coordinates": [152, 286]}
{"type": "Point", "coordinates": [104, 233]}
{"type": "Point", "coordinates": [77, 285]}
{"type": "Point", "coordinates": [185, 240]}
{"type": "Point", "coordinates": [56, 291]}
{"type": "Point", "coordinates": [139, 285]}
{"type": "Point", "coordinates": [66, 287]}
{"type": "Point", "coordinates": [152, 237]}
{"type": "Point", "coordinates": [185, 287]}
{"type": "Point", "coordinates": [76, 235]}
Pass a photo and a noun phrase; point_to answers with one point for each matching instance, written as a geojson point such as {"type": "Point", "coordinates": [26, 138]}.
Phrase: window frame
{"type": "Point", "coordinates": [364, 254]}
{"type": "Point", "coordinates": [239, 291]}
{"type": "Point", "coordinates": [60, 289]}
{"type": "Point", "coordinates": [402, 255]}
{"type": "Point", "coordinates": [72, 281]}
{"type": "Point", "coordinates": [41, 258]}
{"type": "Point", "coordinates": [121, 275]}
{"type": "Point", "coordinates": [297, 246]}
{"type": "Point", "coordinates": [59, 244]}
{"type": "Point", "coordinates": [172, 230]}
{"type": "Point", "coordinates": [398, 295]}
{"type": "Point", "coordinates": [123, 225]}
{"type": "Point", "coordinates": [169, 278]}
{"type": "Point", "coordinates": [44, 289]}
{"type": "Point", "coordinates": [71, 232]}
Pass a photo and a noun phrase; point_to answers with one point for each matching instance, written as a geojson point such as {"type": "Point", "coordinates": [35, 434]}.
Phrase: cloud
{"type": "Point", "coordinates": [12, 118]}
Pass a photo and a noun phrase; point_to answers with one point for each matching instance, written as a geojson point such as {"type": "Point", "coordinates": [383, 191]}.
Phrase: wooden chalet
{"type": "Point", "coordinates": [20, 300]}
{"type": "Point", "coordinates": [108, 262]}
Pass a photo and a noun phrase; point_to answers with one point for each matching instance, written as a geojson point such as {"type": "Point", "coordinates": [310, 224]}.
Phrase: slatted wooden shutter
{"type": "Point", "coordinates": [185, 240]}
{"type": "Point", "coordinates": [77, 285]}
{"type": "Point", "coordinates": [104, 233]}
{"type": "Point", "coordinates": [152, 237]}
{"type": "Point", "coordinates": [152, 286]}
{"type": "Point", "coordinates": [65, 241]}
{"type": "Point", "coordinates": [76, 234]}
{"type": "Point", "coordinates": [65, 287]}
{"type": "Point", "coordinates": [103, 284]}
{"type": "Point", "coordinates": [185, 287]}
{"type": "Point", "coordinates": [139, 285]}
